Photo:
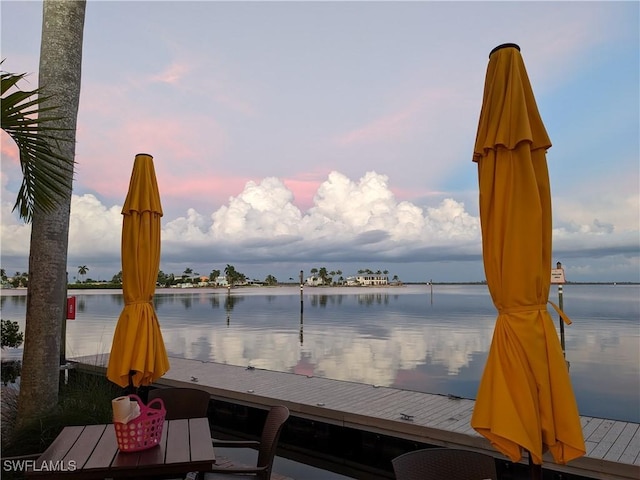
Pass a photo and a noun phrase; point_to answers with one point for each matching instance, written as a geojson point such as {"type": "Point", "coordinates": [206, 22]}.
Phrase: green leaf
{"type": "Point", "coordinates": [45, 170]}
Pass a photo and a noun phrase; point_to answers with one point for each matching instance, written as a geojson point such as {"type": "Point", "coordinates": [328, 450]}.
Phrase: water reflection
{"type": "Point", "coordinates": [10, 371]}
{"type": "Point", "coordinates": [404, 338]}
{"type": "Point", "coordinates": [373, 299]}
{"type": "Point", "coordinates": [301, 323]}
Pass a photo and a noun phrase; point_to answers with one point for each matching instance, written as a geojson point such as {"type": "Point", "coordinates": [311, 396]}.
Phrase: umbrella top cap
{"type": "Point", "coordinates": [504, 45]}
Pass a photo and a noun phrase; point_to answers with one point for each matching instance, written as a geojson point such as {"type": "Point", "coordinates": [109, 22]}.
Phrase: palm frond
{"type": "Point", "coordinates": [45, 171]}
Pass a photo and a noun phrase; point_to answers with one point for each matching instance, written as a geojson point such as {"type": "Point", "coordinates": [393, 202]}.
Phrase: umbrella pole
{"type": "Point", "coordinates": [534, 469]}
{"type": "Point", "coordinates": [131, 389]}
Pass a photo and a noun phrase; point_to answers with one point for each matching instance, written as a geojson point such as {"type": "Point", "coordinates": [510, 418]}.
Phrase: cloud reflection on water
{"type": "Point", "coordinates": [389, 337]}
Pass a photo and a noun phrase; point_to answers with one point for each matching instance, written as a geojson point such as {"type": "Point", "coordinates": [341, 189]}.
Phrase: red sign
{"type": "Point", "coordinates": [71, 308]}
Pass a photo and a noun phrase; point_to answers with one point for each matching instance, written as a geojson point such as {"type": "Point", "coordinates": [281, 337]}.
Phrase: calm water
{"type": "Point", "coordinates": [402, 337]}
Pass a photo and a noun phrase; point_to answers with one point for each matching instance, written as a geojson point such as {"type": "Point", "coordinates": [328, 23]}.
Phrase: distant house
{"type": "Point", "coordinates": [221, 281]}
{"type": "Point", "coordinates": [313, 281]}
{"type": "Point", "coordinates": [370, 279]}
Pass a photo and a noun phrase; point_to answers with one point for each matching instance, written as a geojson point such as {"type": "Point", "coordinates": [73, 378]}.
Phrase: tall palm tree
{"type": "Point", "coordinates": [59, 77]}
{"type": "Point", "coordinates": [230, 274]}
{"type": "Point", "coordinates": [213, 276]}
{"type": "Point", "coordinates": [323, 275]}
{"type": "Point", "coordinates": [82, 270]}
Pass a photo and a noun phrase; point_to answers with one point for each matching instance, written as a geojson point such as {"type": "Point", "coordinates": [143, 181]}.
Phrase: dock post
{"type": "Point", "coordinates": [561, 306]}
{"type": "Point", "coordinates": [301, 293]}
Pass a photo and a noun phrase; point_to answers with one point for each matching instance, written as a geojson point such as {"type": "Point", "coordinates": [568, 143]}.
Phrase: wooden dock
{"type": "Point", "coordinates": [613, 447]}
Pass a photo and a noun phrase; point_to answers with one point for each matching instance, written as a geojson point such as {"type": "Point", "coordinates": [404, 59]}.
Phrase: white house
{"type": "Point", "coordinates": [371, 279]}
{"type": "Point", "coordinates": [313, 281]}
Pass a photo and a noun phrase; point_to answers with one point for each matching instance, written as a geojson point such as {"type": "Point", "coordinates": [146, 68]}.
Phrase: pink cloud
{"type": "Point", "coordinates": [172, 74]}
{"type": "Point", "coordinates": [219, 187]}
{"type": "Point", "coordinates": [305, 185]}
{"type": "Point", "coordinates": [105, 158]}
{"type": "Point", "coordinates": [9, 149]}
{"type": "Point", "coordinates": [303, 191]}
{"type": "Point", "coordinates": [386, 128]}
{"type": "Point", "coordinates": [401, 123]}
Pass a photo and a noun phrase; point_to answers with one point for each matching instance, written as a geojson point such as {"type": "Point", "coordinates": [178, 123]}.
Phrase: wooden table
{"type": "Point", "coordinates": [91, 452]}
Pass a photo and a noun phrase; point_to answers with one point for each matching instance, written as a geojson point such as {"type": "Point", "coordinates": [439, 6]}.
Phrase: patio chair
{"type": "Point", "coordinates": [444, 463]}
{"type": "Point", "coordinates": [182, 402]}
{"type": "Point", "coordinates": [267, 445]}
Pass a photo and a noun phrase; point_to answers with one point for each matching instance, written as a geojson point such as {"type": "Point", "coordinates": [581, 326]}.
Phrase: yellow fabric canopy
{"type": "Point", "coordinates": [525, 399]}
{"type": "Point", "coordinates": [138, 355]}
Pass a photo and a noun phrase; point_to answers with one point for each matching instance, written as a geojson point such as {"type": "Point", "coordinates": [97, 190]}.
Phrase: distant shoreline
{"type": "Point", "coordinates": [109, 286]}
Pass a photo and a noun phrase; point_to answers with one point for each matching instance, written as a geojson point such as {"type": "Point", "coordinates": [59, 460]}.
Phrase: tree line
{"type": "Point", "coordinates": [326, 277]}
{"type": "Point", "coordinates": [230, 276]}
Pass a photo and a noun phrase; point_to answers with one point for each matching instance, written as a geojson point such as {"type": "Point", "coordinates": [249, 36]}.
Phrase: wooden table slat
{"type": "Point", "coordinates": [105, 450]}
{"type": "Point", "coordinates": [59, 449]}
{"type": "Point", "coordinates": [125, 460]}
{"type": "Point", "coordinates": [198, 428]}
{"type": "Point", "coordinates": [84, 446]}
{"type": "Point", "coordinates": [177, 446]}
{"type": "Point", "coordinates": [156, 454]}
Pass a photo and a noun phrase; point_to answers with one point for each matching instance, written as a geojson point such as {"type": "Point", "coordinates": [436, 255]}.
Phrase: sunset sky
{"type": "Point", "coordinates": [294, 135]}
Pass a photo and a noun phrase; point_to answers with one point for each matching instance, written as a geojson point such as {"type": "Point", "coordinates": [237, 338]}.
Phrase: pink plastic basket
{"type": "Point", "coordinates": [142, 432]}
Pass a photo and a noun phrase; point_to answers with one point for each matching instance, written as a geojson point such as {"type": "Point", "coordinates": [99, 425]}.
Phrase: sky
{"type": "Point", "coordinates": [288, 136]}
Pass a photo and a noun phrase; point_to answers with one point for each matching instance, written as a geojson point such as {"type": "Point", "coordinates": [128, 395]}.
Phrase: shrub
{"type": "Point", "coordinates": [11, 335]}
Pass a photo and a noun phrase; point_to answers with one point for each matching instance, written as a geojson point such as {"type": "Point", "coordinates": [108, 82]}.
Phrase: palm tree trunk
{"type": "Point", "coordinates": [60, 72]}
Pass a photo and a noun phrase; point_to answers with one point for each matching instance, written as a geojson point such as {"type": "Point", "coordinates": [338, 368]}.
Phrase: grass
{"type": "Point", "coordinates": [85, 399]}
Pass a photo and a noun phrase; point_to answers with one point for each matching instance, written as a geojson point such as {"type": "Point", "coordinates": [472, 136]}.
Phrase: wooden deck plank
{"type": "Point", "coordinates": [460, 414]}
{"type": "Point", "coordinates": [385, 405]}
{"type": "Point", "coordinates": [605, 444]}
{"type": "Point", "coordinates": [402, 401]}
{"type": "Point", "coordinates": [600, 432]}
{"type": "Point", "coordinates": [631, 453]}
{"type": "Point", "coordinates": [436, 409]}
{"type": "Point", "coordinates": [590, 447]}
{"type": "Point", "coordinates": [591, 426]}
{"type": "Point", "coordinates": [622, 442]}
{"type": "Point", "coordinates": [342, 395]}
{"type": "Point", "coordinates": [613, 448]}
{"type": "Point", "coordinates": [365, 397]}
{"type": "Point", "coordinates": [397, 406]}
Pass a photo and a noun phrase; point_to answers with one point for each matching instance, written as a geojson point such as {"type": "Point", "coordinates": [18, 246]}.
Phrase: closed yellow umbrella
{"type": "Point", "coordinates": [138, 356]}
{"type": "Point", "coordinates": [525, 399]}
